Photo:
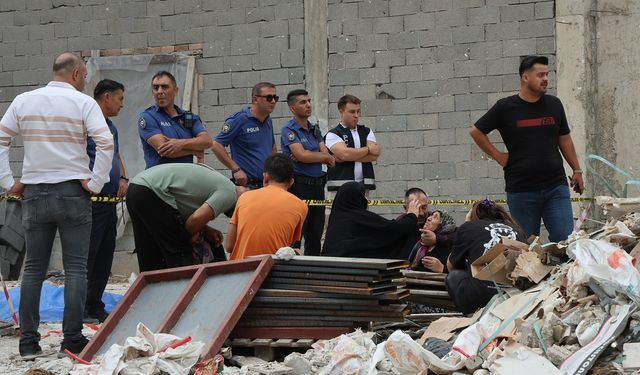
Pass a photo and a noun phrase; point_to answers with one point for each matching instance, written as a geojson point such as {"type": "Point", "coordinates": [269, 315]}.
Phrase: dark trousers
{"type": "Point", "coordinates": [314, 223]}
{"type": "Point", "coordinates": [160, 237]}
{"type": "Point", "coordinates": [467, 292]}
{"type": "Point", "coordinates": [101, 248]}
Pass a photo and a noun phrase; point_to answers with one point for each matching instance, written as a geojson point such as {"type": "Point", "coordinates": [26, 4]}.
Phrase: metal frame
{"type": "Point", "coordinates": [197, 275]}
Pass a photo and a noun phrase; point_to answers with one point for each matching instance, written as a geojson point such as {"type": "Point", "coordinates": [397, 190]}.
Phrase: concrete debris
{"type": "Point", "coordinates": [298, 363]}
{"type": "Point", "coordinates": [631, 352]}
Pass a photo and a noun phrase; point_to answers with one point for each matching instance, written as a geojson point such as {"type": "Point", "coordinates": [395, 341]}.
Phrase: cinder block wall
{"type": "Point", "coordinates": [425, 69]}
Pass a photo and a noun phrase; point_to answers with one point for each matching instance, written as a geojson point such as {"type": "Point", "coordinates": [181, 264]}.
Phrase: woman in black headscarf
{"type": "Point", "coordinates": [355, 232]}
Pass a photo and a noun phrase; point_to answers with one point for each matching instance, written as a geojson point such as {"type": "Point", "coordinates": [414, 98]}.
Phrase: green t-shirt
{"type": "Point", "coordinates": [186, 187]}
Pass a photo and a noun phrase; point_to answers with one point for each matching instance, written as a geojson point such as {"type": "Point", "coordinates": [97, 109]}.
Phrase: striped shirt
{"type": "Point", "coordinates": [54, 122]}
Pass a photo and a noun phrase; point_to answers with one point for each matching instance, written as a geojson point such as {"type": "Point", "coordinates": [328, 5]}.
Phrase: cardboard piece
{"type": "Point", "coordinates": [444, 327]}
{"type": "Point", "coordinates": [529, 265]}
{"type": "Point", "coordinates": [505, 309]}
{"type": "Point", "coordinates": [492, 265]}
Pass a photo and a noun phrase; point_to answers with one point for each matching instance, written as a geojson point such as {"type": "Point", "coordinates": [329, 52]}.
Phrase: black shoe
{"type": "Point", "coordinates": [74, 346]}
{"type": "Point", "coordinates": [99, 315]}
{"type": "Point", "coordinates": [29, 350]}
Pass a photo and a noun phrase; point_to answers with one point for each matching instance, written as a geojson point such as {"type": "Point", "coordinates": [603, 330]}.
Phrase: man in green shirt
{"type": "Point", "coordinates": [170, 205]}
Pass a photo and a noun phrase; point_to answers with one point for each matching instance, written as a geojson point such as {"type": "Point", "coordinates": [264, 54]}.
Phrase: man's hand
{"type": "Point", "coordinates": [433, 264]}
{"type": "Point", "coordinates": [171, 147]}
{"type": "Point", "coordinates": [122, 188]}
{"type": "Point", "coordinates": [577, 183]}
{"type": "Point", "coordinates": [427, 237]}
{"type": "Point", "coordinates": [330, 160]}
{"type": "Point", "coordinates": [413, 207]}
{"type": "Point", "coordinates": [199, 156]}
{"type": "Point", "coordinates": [502, 158]}
{"type": "Point", "coordinates": [85, 186]}
{"type": "Point", "coordinates": [374, 148]}
{"type": "Point", "coordinates": [240, 178]}
{"type": "Point", "coordinates": [213, 236]}
{"type": "Point", "coordinates": [17, 189]}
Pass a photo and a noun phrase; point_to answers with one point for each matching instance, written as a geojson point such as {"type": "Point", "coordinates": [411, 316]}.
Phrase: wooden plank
{"type": "Point", "coordinates": [424, 275]}
{"type": "Point", "coordinates": [344, 262]}
{"type": "Point", "coordinates": [318, 301]}
{"type": "Point", "coordinates": [329, 276]}
{"type": "Point", "coordinates": [430, 293]}
{"type": "Point", "coordinates": [329, 270]}
{"type": "Point", "coordinates": [398, 309]}
{"type": "Point", "coordinates": [288, 323]}
{"type": "Point", "coordinates": [189, 82]}
{"type": "Point", "coordinates": [292, 332]}
{"type": "Point", "coordinates": [343, 283]}
{"type": "Point", "coordinates": [286, 343]}
{"type": "Point", "coordinates": [417, 283]}
{"type": "Point", "coordinates": [333, 289]}
{"type": "Point", "coordinates": [303, 343]}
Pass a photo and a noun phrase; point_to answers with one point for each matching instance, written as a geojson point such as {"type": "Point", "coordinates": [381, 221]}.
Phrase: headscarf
{"type": "Point", "coordinates": [355, 232]}
{"type": "Point", "coordinates": [447, 225]}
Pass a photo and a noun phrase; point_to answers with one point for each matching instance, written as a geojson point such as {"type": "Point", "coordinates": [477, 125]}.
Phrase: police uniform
{"type": "Point", "coordinates": [309, 180]}
{"type": "Point", "coordinates": [154, 120]}
{"type": "Point", "coordinates": [251, 142]}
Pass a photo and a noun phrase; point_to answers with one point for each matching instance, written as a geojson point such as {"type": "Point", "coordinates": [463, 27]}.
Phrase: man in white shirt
{"type": "Point", "coordinates": [354, 147]}
{"type": "Point", "coordinates": [56, 185]}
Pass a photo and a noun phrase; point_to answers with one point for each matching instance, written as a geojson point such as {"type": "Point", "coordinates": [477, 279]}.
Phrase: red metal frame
{"type": "Point", "coordinates": [198, 275]}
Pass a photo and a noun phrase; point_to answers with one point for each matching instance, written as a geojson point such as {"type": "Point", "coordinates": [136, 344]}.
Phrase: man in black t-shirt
{"type": "Point", "coordinates": [535, 131]}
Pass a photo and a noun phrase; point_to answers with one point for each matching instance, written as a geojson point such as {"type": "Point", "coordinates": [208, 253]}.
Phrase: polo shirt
{"type": "Point", "coordinates": [292, 133]}
{"type": "Point", "coordinates": [112, 186]}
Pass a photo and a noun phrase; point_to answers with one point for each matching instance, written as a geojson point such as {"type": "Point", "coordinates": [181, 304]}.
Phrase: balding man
{"type": "Point", "coordinates": [56, 185]}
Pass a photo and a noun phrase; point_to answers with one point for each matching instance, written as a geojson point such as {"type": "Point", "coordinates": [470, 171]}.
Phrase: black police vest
{"type": "Point", "coordinates": [344, 172]}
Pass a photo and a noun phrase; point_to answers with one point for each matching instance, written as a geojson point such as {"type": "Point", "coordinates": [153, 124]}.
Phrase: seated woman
{"type": "Point", "coordinates": [355, 232]}
{"type": "Point", "coordinates": [427, 254]}
{"type": "Point", "coordinates": [486, 223]}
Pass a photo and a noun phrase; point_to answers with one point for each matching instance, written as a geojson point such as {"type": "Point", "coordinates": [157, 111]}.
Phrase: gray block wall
{"type": "Point", "coordinates": [425, 69]}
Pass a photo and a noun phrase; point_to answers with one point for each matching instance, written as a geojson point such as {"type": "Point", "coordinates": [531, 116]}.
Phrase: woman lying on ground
{"type": "Point", "coordinates": [353, 231]}
{"type": "Point", "coordinates": [428, 254]}
{"type": "Point", "coordinates": [486, 223]}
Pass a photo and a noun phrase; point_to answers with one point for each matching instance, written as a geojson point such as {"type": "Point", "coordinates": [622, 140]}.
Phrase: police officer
{"type": "Point", "coordinates": [249, 135]}
{"type": "Point", "coordinates": [168, 133]}
{"type": "Point", "coordinates": [302, 141]}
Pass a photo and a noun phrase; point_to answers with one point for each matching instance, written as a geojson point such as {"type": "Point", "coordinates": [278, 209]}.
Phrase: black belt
{"type": "Point", "coordinates": [254, 184]}
{"type": "Point", "coordinates": [312, 181]}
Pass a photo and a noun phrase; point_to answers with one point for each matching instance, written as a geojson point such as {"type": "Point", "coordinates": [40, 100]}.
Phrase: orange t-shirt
{"type": "Point", "coordinates": [267, 219]}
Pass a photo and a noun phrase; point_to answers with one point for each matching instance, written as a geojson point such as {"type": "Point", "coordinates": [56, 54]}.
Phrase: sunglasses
{"type": "Point", "coordinates": [269, 97]}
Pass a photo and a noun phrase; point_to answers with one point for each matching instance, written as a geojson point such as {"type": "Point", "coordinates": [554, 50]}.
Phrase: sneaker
{"type": "Point", "coordinates": [100, 316]}
{"type": "Point", "coordinates": [74, 346]}
{"type": "Point", "coordinates": [29, 350]}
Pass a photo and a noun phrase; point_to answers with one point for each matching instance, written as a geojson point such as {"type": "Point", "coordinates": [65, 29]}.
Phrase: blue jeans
{"type": "Point", "coordinates": [64, 207]}
{"type": "Point", "coordinates": [553, 206]}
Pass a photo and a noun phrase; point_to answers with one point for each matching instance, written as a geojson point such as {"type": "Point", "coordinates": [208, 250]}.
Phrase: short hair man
{"type": "Point", "coordinates": [170, 205]}
{"type": "Point", "coordinates": [354, 146]}
{"type": "Point", "coordinates": [168, 133]}
{"type": "Point", "coordinates": [414, 194]}
{"type": "Point", "coordinates": [269, 218]}
{"type": "Point", "coordinates": [54, 122]}
{"type": "Point", "coordinates": [302, 141]}
{"type": "Point", "coordinates": [249, 135]}
{"type": "Point", "coordinates": [535, 131]}
{"type": "Point", "coordinates": [109, 95]}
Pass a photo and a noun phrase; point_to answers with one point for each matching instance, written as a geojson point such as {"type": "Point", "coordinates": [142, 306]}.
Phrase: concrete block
{"type": "Point", "coordinates": [40, 32]}
{"type": "Point", "coordinates": [447, 136]}
{"type": "Point", "coordinates": [342, 11]}
{"type": "Point", "coordinates": [342, 43]}
{"type": "Point", "coordinates": [404, 7]}
{"type": "Point", "coordinates": [161, 38]}
{"type": "Point", "coordinates": [421, 89]}
{"type": "Point", "coordinates": [372, 42]}
{"type": "Point", "coordinates": [38, 62]}
{"type": "Point", "coordinates": [344, 77]}
{"type": "Point", "coordinates": [191, 36]}
{"type": "Point", "coordinates": [261, 14]}
{"type": "Point", "coordinates": [14, 34]}
{"type": "Point", "coordinates": [388, 25]}
{"type": "Point", "coordinates": [364, 92]}
{"type": "Point", "coordinates": [217, 33]}
{"type": "Point", "coordinates": [242, 31]}
{"type": "Point", "coordinates": [455, 153]}
{"type": "Point", "coordinates": [473, 169]}
{"type": "Point", "coordinates": [373, 8]}
{"type": "Point", "coordinates": [406, 139]}
{"type": "Point", "coordinates": [335, 93]}
{"type": "Point", "coordinates": [436, 5]}
{"type": "Point", "coordinates": [519, 47]}
{"type": "Point", "coordinates": [10, 5]}
{"type": "Point", "coordinates": [52, 47]}
{"type": "Point", "coordinates": [441, 36]}
{"type": "Point", "coordinates": [30, 48]}
{"type": "Point", "coordinates": [374, 76]}
{"type": "Point", "coordinates": [201, 19]}
{"type": "Point", "coordinates": [453, 86]}
{"type": "Point", "coordinates": [240, 4]}
{"type": "Point", "coordinates": [358, 26]}
{"type": "Point", "coordinates": [455, 52]}
{"type": "Point", "coordinates": [393, 157]}
{"type": "Point", "coordinates": [290, 10]}
{"type": "Point", "coordinates": [62, 30]}
{"type": "Point", "coordinates": [391, 91]}
{"type": "Point", "coordinates": [236, 63]}
{"type": "Point", "coordinates": [336, 61]}
{"type": "Point", "coordinates": [544, 10]}
{"type": "Point", "coordinates": [437, 71]}
{"type": "Point", "coordinates": [209, 97]}
{"type": "Point", "coordinates": [502, 66]}
{"type": "Point", "coordinates": [231, 17]}
{"type": "Point", "coordinates": [296, 75]}
{"type": "Point", "coordinates": [276, 76]}
{"type": "Point", "coordinates": [22, 18]}
{"type": "Point", "coordinates": [383, 172]}
{"type": "Point", "coordinates": [502, 2]}
{"type": "Point", "coordinates": [390, 58]}
{"type": "Point", "coordinates": [238, 79]}
{"type": "Point", "coordinates": [538, 28]}
{"type": "Point", "coordinates": [296, 26]}
{"type": "Point", "coordinates": [453, 17]}
{"type": "Point", "coordinates": [405, 172]}
{"type": "Point", "coordinates": [458, 119]}
{"type": "Point", "coordinates": [406, 106]}
{"type": "Point", "coordinates": [421, 155]}
{"type": "Point", "coordinates": [407, 73]}
{"type": "Point", "coordinates": [160, 8]}
{"type": "Point", "coordinates": [545, 45]}
{"type": "Point", "coordinates": [120, 26]}
{"type": "Point", "coordinates": [483, 15]}
{"type": "Point", "coordinates": [421, 56]}
{"type": "Point", "coordinates": [390, 123]}
{"type": "Point", "coordinates": [188, 6]}
{"type": "Point", "coordinates": [361, 59]}
{"type": "Point", "coordinates": [216, 4]}
{"type": "Point", "coordinates": [467, 34]}
{"type": "Point", "coordinates": [128, 40]}
{"type": "Point", "coordinates": [420, 21]}
{"type": "Point", "coordinates": [487, 186]}
{"type": "Point", "coordinates": [519, 12]}
{"type": "Point", "coordinates": [485, 50]}
{"type": "Point", "coordinates": [470, 102]}
{"type": "Point", "coordinates": [492, 98]}
{"type": "Point", "coordinates": [129, 9]}
{"type": "Point", "coordinates": [485, 84]}
{"type": "Point", "coordinates": [209, 65]}
{"type": "Point", "coordinates": [234, 96]}
{"type": "Point", "coordinates": [437, 104]}
{"type": "Point", "coordinates": [431, 138]}
{"type": "Point", "coordinates": [440, 171]}
{"type": "Point", "coordinates": [422, 122]}
{"type": "Point", "coordinates": [403, 40]}
{"type": "Point", "coordinates": [377, 107]}
{"type": "Point", "coordinates": [174, 22]}
{"type": "Point", "coordinates": [53, 15]}
{"type": "Point", "coordinates": [147, 24]}
{"type": "Point", "coordinates": [291, 58]}
{"type": "Point", "coordinates": [502, 31]}
{"type": "Point", "coordinates": [470, 68]}
{"type": "Point", "coordinates": [390, 188]}
{"type": "Point", "coordinates": [334, 28]}
{"type": "Point", "coordinates": [454, 188]}
{"type": "Point", "coordinates": [243, 46]}
{"type": "Point", "coordinates": [511, 82]}
{"type": "Point", "coordinates": [274, 45]}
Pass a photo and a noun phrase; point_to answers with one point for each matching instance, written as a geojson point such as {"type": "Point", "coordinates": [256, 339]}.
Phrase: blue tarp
{"type": "Point", "coordinates": [51, 303]}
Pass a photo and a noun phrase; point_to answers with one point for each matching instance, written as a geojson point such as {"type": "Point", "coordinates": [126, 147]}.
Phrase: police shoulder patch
{"type": "Point", "coordinates": [291, 137]}
{"type": "Point", "coordinates": [142, 123]}
{"type": "Point", "coordinates": [226, 127]}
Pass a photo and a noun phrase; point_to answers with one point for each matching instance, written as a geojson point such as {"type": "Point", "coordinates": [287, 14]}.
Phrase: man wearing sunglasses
{"type": "Point", "coordinates": [249, 135]}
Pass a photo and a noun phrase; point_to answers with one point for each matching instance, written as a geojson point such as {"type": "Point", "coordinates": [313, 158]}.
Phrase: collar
{"type": "Point", "coordinates": [353, 130]}
{"type": "Point", "coordinates": [61, 84]}
{"type": "Point", "coordinates": [155, 108]}
{"type": "Point", "coordinates": [297, 126]}
{"type": "Point", "coordinates": [248, 113]}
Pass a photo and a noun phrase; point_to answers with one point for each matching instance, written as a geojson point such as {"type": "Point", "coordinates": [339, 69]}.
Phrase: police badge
{"type": "Point", "coordinates": [226, 127]}
{"type": "Point", "coordinates": [142, 123]}
{"type": "Point", "coordinates": [291, 137]}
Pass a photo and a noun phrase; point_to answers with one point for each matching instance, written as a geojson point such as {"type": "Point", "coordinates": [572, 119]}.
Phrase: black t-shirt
{"type": "Point", "coordinates": [474, 238]}
{"type": "Point", "coordinates": [530, 132]}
